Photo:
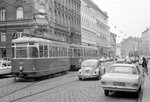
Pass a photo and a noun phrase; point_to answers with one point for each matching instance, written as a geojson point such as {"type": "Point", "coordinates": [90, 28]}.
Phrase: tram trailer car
{"type": "Point", "coordinates": [36, 57]}
{"type": "Point", "coordinates": [78, 53]}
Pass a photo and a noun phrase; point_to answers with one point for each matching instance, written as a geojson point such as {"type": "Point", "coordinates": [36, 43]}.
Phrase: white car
{"type": "Point", "coordinates": [121, 60]}
{"type": "Point", "coordinates": [128, 61]}
{"type": "Point", "coordinates": [5, 61]}
{"type": "Point", "coordinates": [122, 77]}
{"type": "Point", "coordinates": [5, 70]}
{"type": "Point", "coordinates": [102, 59]}
{"type": "Point", "coordinates": [91, 68]}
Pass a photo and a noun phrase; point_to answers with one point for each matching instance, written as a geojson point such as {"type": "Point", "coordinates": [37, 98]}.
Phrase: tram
{"type": "Point", "coordinates": [78, 53]}
{"type": "Point", "coordinates": [35, 57]}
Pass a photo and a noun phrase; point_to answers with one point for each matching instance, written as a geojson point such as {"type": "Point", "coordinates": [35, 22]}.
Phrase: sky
{"type": "Point", "coordinates": [126, 17]}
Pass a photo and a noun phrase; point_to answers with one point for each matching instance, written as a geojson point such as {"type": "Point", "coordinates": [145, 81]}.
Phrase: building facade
{"type": "Point", "coordinates": [58, 20]}
{"type": "Point", "coordinates": [112, 50]}
{"type": "Point", "coordinates": [103, 33]}
{"type": "Point", "coordinates": [130, 47]}
{"type": "Point", "coordinates": [118, 51]}
{"type": "Point", "coordinates": [88, 23]}
{"type": "Point", "coordinates": [146, 42]}
{"type": "Point", "coordinates": [94, 27]}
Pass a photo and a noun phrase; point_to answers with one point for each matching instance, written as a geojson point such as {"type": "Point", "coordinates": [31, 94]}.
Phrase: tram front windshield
{"type": "Point", "coordinates": [25, 52]}
{"type": "Point", "coordinates": [33, 52]}
{"type": "Point", "coordinates": [21, 52]}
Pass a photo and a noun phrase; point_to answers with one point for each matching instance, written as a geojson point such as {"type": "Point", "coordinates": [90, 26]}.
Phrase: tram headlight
{"type": "Point", "coordinates": [20, 68]}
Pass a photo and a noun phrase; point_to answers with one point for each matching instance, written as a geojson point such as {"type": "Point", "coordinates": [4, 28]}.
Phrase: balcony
{"type": "Point", "coordinates": [21, 22]}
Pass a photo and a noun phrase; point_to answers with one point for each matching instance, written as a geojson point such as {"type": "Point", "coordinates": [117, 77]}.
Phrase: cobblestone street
{"type": "Point", "coordinates": [64, 88]}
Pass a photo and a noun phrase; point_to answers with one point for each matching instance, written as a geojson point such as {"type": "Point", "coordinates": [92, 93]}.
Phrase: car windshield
{"type": "Point", "coordinates": [89, 64]}
{"type": "Point", "coordinates": [122, 69]}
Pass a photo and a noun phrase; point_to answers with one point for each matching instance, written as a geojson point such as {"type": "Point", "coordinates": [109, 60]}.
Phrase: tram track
{"type": "Point", "coordinates": [8, 93]}
{"type": "Point", "coordinates": [34, 84]}
{"type": "Point", "coordinates": [4, 85]}
{"type": "Point", "coordinates": [45, 91]}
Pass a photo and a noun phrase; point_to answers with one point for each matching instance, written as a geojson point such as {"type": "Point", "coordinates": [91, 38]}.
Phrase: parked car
{"type": "Point", "coordinates": [122, 77]}
{"type": "Point", "coordinates": [120, 60]}
{"type": "Point", "coordinates": [5, 70]}
{"type": "Point", "coordinates": [102, 59]}
{"type": "Point", "coordinates": [5, 61]}
{"type": "Point", "coordinates": [91, 68]}
{"type": "Point", "coordinates": [133, 59]}
{"type": "Point", "coordinates": [128, 61]}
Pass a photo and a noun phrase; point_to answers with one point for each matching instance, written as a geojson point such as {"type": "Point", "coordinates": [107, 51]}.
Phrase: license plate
{"type": "Point", "coordinates": [118, 83]}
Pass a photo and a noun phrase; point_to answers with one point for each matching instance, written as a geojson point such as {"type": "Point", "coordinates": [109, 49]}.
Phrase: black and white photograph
{"type": "Point", "coordinates": [74, 50]}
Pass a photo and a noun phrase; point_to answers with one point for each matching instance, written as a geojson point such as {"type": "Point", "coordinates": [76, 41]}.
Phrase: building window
{"type": "Point", "coordinates": [3, 37]}
{"type": "Point", "coordinates": [2, 14]}
{"type": "Point", "coordinates": [19, 14]}
{"type": "Point", "coordinates": [42, 11]}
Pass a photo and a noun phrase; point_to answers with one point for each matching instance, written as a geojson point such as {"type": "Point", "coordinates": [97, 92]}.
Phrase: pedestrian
{"type": "Point", "coordinates": [144, 65]}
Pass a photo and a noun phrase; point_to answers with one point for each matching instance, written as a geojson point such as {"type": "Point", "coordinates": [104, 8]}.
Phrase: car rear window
{"type": "Point", "coordinates": [122, 69]}
{"type": "Point", "coordinates": [89, 64]}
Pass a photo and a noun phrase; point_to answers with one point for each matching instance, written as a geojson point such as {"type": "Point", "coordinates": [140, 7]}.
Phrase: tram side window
{"type": "Point", "coordinates": [41, 51]}
{"type": "Point", "coordinates": [84, 53]}
{"type": "Point", "coordinates": [33, 52]}
{"type": "Point", "coordinates": [71, 52]}
{"type": "Point", "coordinates": [65, 53]}
{"type": "Point", "coordinates": [45, 51]}
{"type": "Point", "coordinates": [59, 48]}
{"type": "Point", "coordinates": [60, 51]}
{"type": "Point", "coordinates": [53, 51]}
{"type": "Point", "coordinates": [50, 51]}
{"type": "Point", "coordinates": [79, 53]}
{"type": "Point", "coordinates": [56, 51]}
{"type": "Point", "coordinates": [21, 52]}
{"type": "Point", "coordinates": [75, 52]}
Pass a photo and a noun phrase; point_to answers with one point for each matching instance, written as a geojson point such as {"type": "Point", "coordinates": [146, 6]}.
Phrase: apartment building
{"type": "Point", "coordinates": [58, 20]}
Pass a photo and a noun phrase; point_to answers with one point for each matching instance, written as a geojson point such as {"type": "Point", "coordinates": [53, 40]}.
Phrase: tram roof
{"type": "Point", "coordinates": [33, 39]}
{"type": "Point", "coordinates": [83, 46]}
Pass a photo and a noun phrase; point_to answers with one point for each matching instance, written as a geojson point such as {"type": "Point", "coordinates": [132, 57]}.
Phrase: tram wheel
{"type": "Point", "coordinates": [63, 72]}
{"type": "Point", "coordinates": [15, 79]}
{"type": "Point", "coordinates": [52, 75]}
{"type": "Point", "coordinates": [80, 78]}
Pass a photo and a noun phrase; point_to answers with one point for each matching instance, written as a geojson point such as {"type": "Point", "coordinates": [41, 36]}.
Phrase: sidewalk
{"type": "Point", "coordinates": [146, 90]}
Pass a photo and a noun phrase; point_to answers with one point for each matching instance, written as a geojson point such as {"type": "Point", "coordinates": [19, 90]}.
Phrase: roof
{"type": "Point", "coordinates": [123, 64]}
{"type": "Point", "coordinates": [91, 60]}
{"type": "Point", "coordinates": [93, 5]}
{"type": "Point", "coordinates": [83, 46]}
{"type": "Point", "coordinates": [29, 39]}
{"type": "Point", "coordinates": [36, 40]}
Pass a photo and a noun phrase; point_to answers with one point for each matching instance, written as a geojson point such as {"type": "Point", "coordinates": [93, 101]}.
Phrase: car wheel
{"type": "Point", "coordinates": [138, 92]}
{"type": "Point", "coordinates": [106, 92]}
{"type": "Point", "coordinates": [80, 78]}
